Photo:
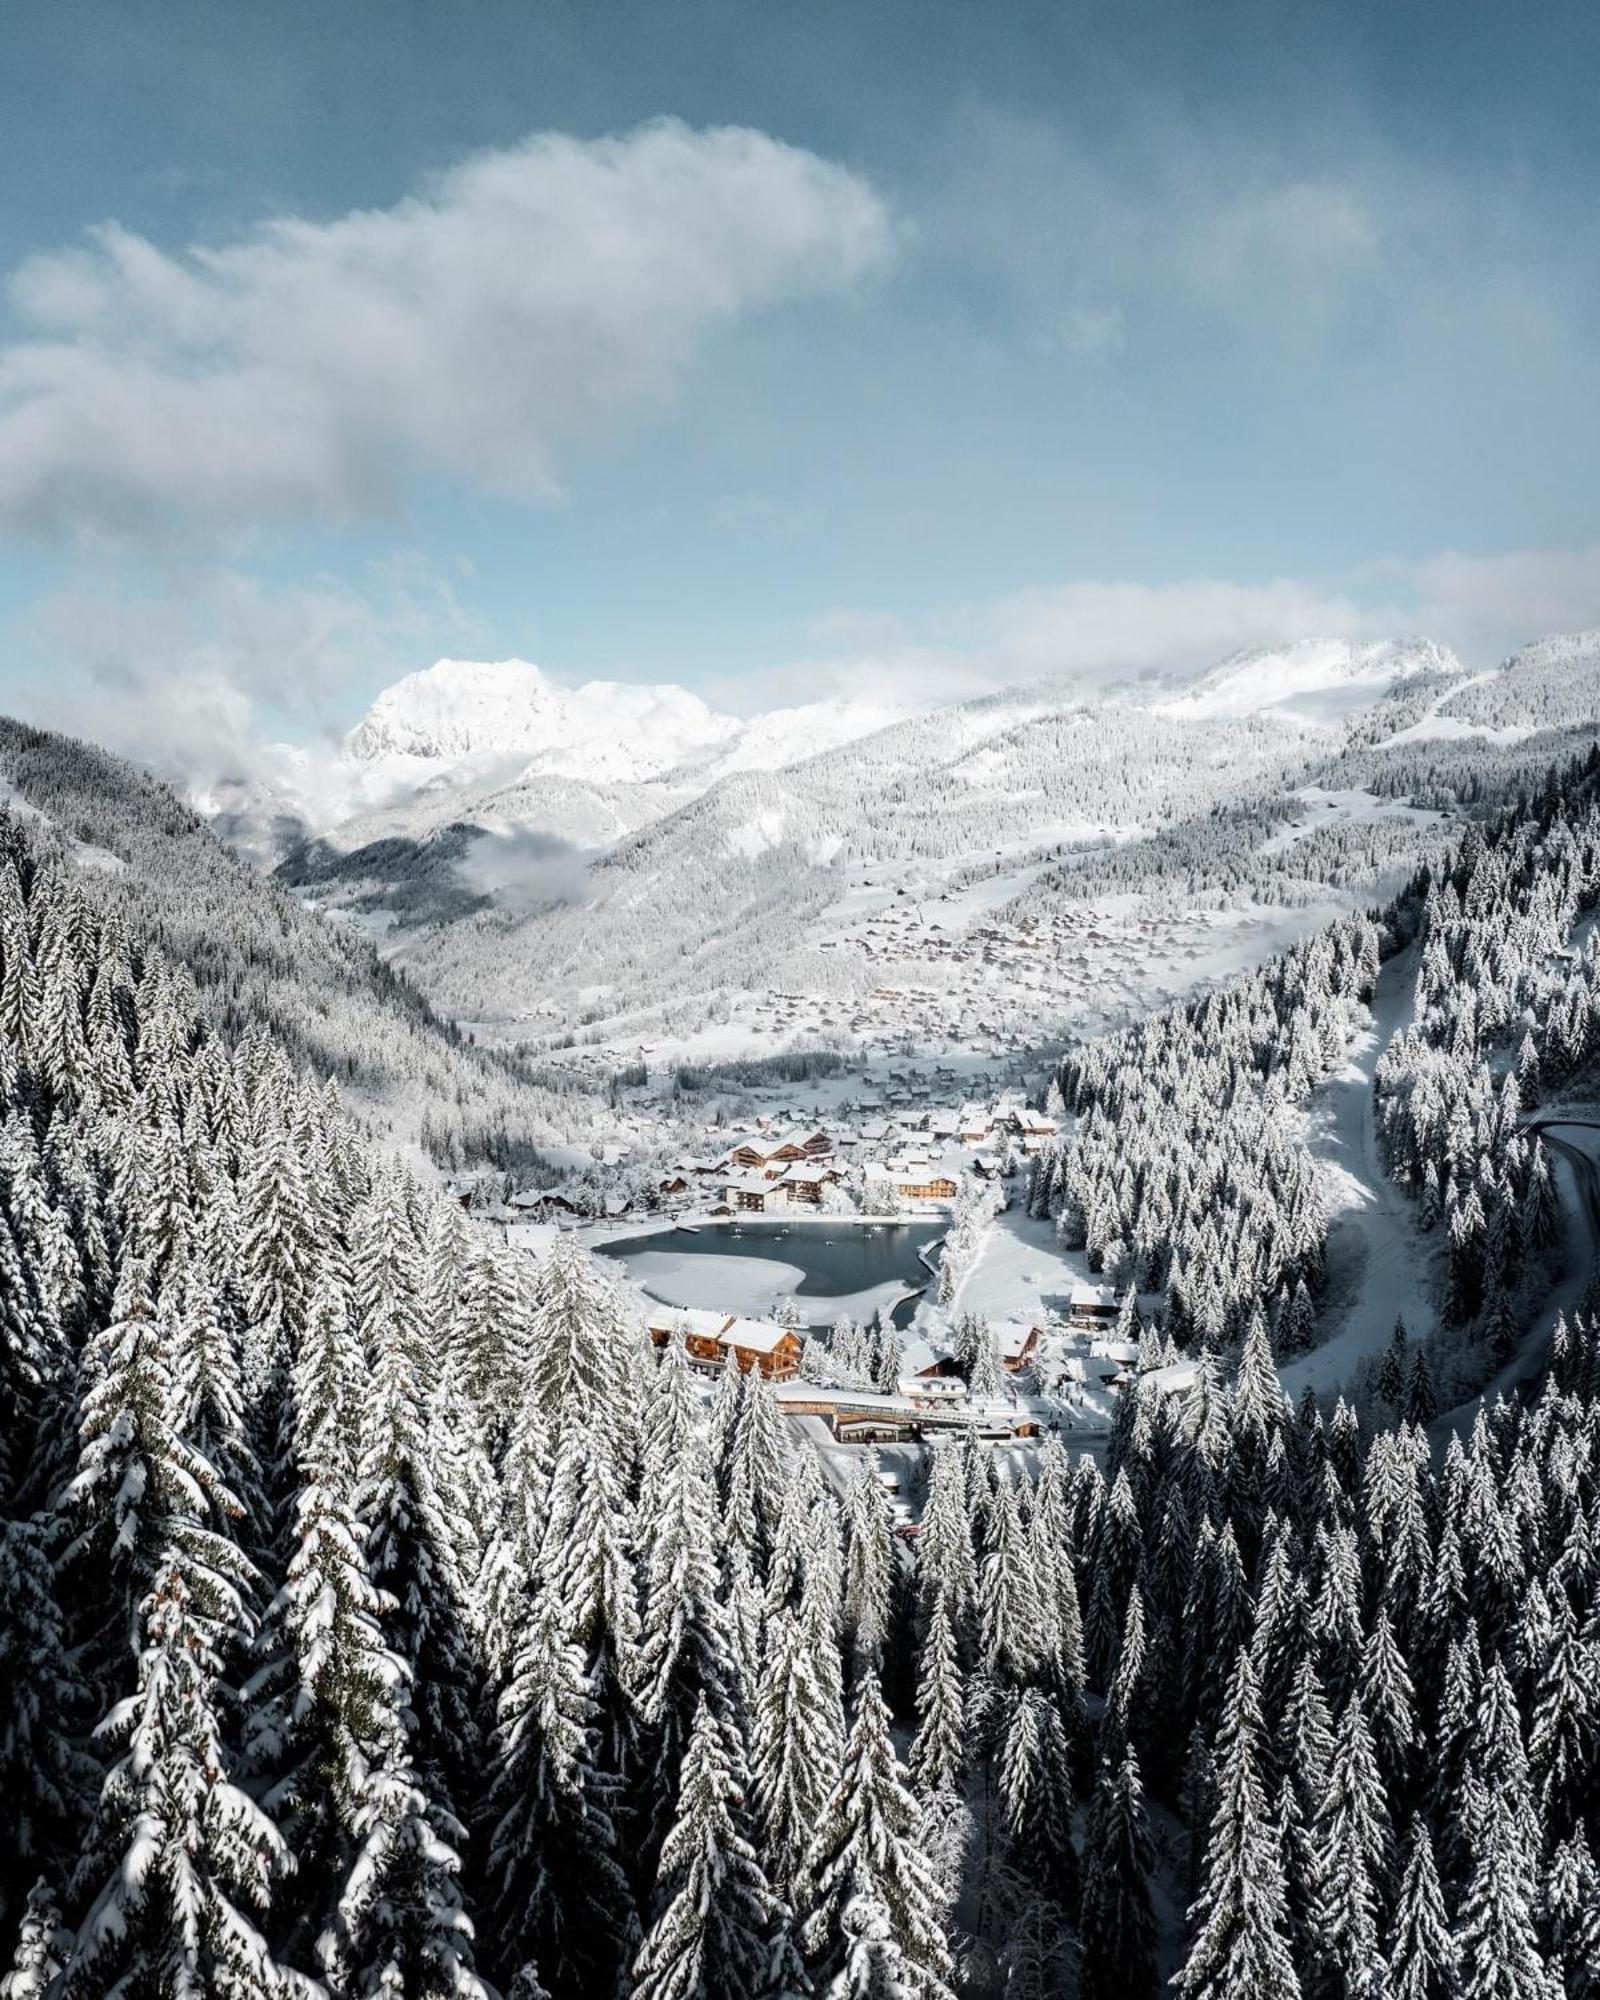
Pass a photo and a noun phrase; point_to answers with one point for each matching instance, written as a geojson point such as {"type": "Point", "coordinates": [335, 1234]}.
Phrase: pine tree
{"type": "Point", "coordinates": [866, 1844]}
{"type": "Point", "coordinates": [798, 1747]}
{"type": "Point", "coordinates": [713, 1903]}
{"type": "Point", "coordinates": [1571, 1914]}
{"type": "Point", "coordinates": [558, 1895]}
{"type": "Point", "coordinates": [1240, 1942]}
{"type": "Point", "coordinates": [41, 1949]}
{"type": "Point", "coordinates": [1422, 1950]}
{"type": "Point", "coordinates": [1118, 1922]}
{"type": "Point", "coordinates": [939, 1751]}
{"type": "Point", "coordinates": [187, 1859]}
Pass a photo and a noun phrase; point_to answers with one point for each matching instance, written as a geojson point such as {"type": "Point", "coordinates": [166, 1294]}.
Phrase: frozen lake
{"type": "Point", "coordinates": [827, 1268]}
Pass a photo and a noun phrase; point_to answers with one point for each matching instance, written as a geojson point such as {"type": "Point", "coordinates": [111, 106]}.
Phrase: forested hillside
{"type": "Point", "coordinates": [720, 893]}
{"type": "Point", "coordinates": [257, 958]}
{"type": "Point", "coordinates": [385, 1618]}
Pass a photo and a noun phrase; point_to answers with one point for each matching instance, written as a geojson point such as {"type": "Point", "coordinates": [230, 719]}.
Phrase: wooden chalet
{"type": "Point", "coordinates": [1092, 1307]}
{"type": "Point", "coordinates": [711, 1338]}
{"type": "Point", "coordinates": [806, 1179]}
{"type": "Point", "coordinates": [1018, 1343]}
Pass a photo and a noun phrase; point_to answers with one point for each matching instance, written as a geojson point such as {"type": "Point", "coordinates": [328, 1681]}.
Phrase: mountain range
{"type": "Point", "coordinates": [515, 844]}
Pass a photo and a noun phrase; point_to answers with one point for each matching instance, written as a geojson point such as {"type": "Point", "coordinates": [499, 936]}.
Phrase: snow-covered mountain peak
{"type": "Point", "coordinates": [1317, 680]}
{"type": "Point", "coordinates": [602, 732]}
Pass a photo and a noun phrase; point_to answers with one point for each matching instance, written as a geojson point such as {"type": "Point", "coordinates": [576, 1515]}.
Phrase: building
{"type": "Point", "coordinates": [921, 1182]}
{"type": "Point", "coordinates": [762, 1343]}
{"type": "Point", "coordinates": [929, 1392]}
{"type": "Point", "coordinates": [709, 1338]}
{"type": "Point", "coordinates": [1092, 1306]}
{"type": "Point", "coordinates": [754, 1194]}
{"type": "Point", "coordinates": [806, 1179]}
{"type": "Point", "coordinates": [1017, 1342]}
{"type": "Point", "coordinates": [766, 1154]}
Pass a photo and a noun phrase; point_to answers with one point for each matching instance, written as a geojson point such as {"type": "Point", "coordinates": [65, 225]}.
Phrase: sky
{"type": "Point", "coordinates": [891, 347]}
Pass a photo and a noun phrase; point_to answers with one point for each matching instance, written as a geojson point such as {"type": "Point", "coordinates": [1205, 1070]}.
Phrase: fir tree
{"type": "Point", "coordinates": [713, 1904]}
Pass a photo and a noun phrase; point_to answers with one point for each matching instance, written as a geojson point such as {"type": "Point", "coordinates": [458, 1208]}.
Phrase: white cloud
{"type": "Point", "coordinates": [1483, 607]}
{"type": "Point", "coordinates": [1088, 631]}
{"type": "Point", "coordinates": [183, 678]}
{"type": "Point", "coordinates": [1488, 605]}
{"type": "Point", "coordinates": [520, 303]}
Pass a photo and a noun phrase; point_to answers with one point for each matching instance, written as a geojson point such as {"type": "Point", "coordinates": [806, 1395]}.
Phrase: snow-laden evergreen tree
{"type": "Point", "coordinates": [1240, 1930]}
{"type": "Point", "coordinates": [41, 1948]}
{"type": "Point", "coordinates": [866, 1844]}
{"type": "Point", "coordinates": [1117, 1923]}
{"type": "Point", "coordinates": [708, 1938]}
{"type": "Point", "coordinates": [1423, 1963]}
{"type": "Point", "coordinates": [798, 1746]}
{"type": "Point", "coordinates": [183, 1859]}
{"type": "Point", "coordinates": [868, 1556]}
{"type": "Point", "coordinates": [558, 1895]}
{"type": "Point", "coordinates": [413, 1543]}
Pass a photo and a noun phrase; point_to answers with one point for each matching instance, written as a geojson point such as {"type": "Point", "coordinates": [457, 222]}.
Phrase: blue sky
{"type": "Point", "coordinates": [1005, 340]}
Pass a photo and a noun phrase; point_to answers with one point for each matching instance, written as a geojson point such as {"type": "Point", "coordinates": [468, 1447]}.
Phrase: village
{"type": "Point", "coordinates": [1064, 1344]}
{"type": "Point", "coordinates": [903, 971]}
{"type": "Point", "coordinates": [879, 1153]}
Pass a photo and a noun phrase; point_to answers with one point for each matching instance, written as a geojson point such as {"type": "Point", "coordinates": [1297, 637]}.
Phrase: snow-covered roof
{"type": "Point", "coordinates": [1092, 1295]}
{"type": "Point", "coordinates": [755, 1336]}
{"type": "Point", "coordinates": [691, 1319]}
{"type": "Point", "coordinates": [1123, 1351]}
{"type": "Point", "coordinates": [810, 1171]}
{"type": "Point", "coordinates": [1013, 1337]}
{"type": "Point", "coordinates": [1177, 1375]}
{"type": "Point", "coordinates": [917, 1355]}
{"type": "Point", "coordinates": [750, 1184]}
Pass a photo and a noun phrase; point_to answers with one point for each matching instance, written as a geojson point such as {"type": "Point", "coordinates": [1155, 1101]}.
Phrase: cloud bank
{"type": "Point", "coordinates": [521, 303]}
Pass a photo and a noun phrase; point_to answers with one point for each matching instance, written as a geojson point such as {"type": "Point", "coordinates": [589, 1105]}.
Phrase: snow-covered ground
{"type": "Point", "coordinates": [1378, 1261]}
{"type": "Point", "coordinates": [1324, 808]}
{"type": "Point", "coordinates": [1021, 1272]}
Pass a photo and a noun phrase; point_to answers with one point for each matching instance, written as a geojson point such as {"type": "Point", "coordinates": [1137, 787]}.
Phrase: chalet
{"type": "Point", "coordinates": [754, 1194]}
{"type": "Point", "coordinates": [1018, 1343]}
{"type": "Point", "coordinates": [1092, 1306]}
{"type": "Point", "coordinates": [806, 1179]}
{"type": "Point", "coordinates": [532, 1202]}
{"type": "Point", "coordinates": [974, 1123]}
{"type": "Point", "coordinates": [710, 1338]}
{"type": "Point", "coordinates": [765, 1345]}
{"type": "Point", "coordinates": [702, 1332]}
{"type": "Point", "coordinates": [770, 1155]}
{"type": "Point", "coordinates": [1175, 1379]}
{"type": "Point", "coordinates": [921, 1182]}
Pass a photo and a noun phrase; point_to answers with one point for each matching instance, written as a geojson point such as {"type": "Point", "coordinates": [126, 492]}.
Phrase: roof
{"type": "Point", "coordinates": [1014, 1336]}
{"type": "Point", "coordinates": [810, 1171]}
{"type": "Point", "coordinates": [750, 1184]}
{"type": "Point", "coordinates": [756, 1336]}
{"type": "Point", "coordinates": [691, 1319]}
{"type": "Point", "coordinates": [1092, 1295]}
{"type": "Point", "coordinates": [918, 1355]}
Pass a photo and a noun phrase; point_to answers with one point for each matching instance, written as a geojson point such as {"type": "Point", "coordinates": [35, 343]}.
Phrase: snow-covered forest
{"type": "Point", "coordinates": [385, 1617]}
{"type": "Point", "coordinates": [258, 958]}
